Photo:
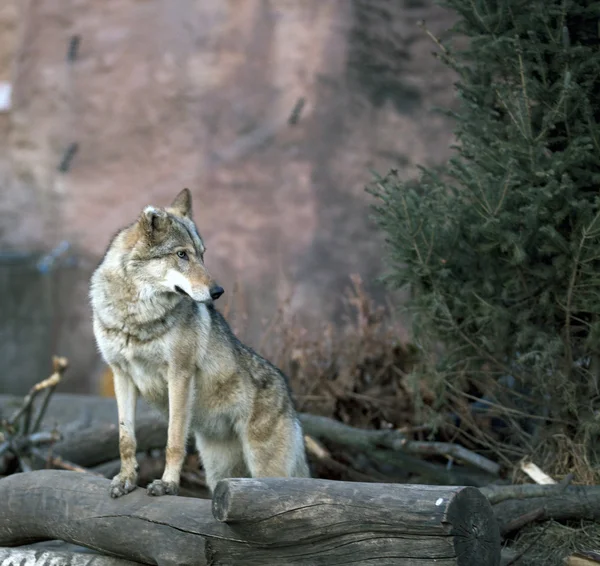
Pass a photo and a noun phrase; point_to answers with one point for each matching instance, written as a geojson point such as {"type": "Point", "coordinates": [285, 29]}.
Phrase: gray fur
{"type": "Point", "coordinates": [157, 327]}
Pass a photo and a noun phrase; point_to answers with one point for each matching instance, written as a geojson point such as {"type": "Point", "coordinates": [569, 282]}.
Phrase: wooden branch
{"type": "Point", "coordinates": [543, 502]}
{"type": "Point", "coordinates": [58, 462]}
{"type": "Point", "coordinates": [325, 428]}
{"type": "Point", "coordinates": [499, 493]}
{"type": "Point", "coordinates": [18, 437]}
{"type": "Point", "coordinates": [455, 451]}
{"type": "Point", "coordinates": [35, 439]}
{"type": "Point", "coordinates": [519, 522]}
{"type": "Point", "coordinates": [436, 473]}
{"type": "Point", "coordinates": [297, 522]}
{"type": "Point", "coordinates": [59, 366]}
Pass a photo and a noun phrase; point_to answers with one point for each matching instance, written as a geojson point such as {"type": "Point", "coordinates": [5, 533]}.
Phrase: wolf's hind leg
{"type": "Point", "coordinates": [275, 449]}
{"type": "Point", "coordinates": [221, 459]}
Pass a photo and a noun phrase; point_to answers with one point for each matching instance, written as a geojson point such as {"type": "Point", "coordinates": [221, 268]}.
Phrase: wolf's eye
{"type": "Point", "coordinates": [182, 254]}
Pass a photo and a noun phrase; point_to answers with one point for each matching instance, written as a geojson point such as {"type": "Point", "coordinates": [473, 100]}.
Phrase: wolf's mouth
{"type": "Point", "coordinates": [181, 291]}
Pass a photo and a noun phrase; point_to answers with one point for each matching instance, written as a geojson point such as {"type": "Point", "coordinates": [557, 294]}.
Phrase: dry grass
{"type": "Point", "coordinates": [548, 544]}
{"type": "Point", "coordinates": [563, 456]}
{"type": "Point", "coordinates": [559, 448]}
{"type": "Point", "coordinates": [356, 372]}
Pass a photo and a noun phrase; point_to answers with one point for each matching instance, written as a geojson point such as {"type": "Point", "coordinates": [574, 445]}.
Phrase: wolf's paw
{"type": "Point", "coordinates": [160, 487]}
{"type": "Point", "coordinates": [120, 486]}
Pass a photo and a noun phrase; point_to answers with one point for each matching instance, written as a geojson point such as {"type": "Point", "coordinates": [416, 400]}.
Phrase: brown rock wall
{"type": "Point", "coordinates": [199, 93]}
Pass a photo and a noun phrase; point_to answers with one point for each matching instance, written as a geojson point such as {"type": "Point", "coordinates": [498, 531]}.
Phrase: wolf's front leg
{"type": "Point", "coordinates": [126, 395]}
{"type": "Point", "coordinates": [181, 398]}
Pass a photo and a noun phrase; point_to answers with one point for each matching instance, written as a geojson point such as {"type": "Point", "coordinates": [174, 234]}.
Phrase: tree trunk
{"type": "Point", "coordinates": [574, 502]}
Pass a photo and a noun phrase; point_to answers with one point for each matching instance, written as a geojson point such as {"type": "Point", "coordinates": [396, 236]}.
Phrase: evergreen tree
{"type": "Point", "coordinates": [502, 249]}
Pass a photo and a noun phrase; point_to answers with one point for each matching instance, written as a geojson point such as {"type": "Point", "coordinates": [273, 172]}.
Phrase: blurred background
{"type": "Point", "coordinates": [275, 113]}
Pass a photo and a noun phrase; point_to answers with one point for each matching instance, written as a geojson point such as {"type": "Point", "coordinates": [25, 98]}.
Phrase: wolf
{"type": "Point", "coordinates": [156, 326]}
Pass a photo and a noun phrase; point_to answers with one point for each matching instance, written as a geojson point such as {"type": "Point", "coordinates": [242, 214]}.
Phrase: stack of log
{"type": "Point", "coordinates": [253, 521]}
{"type": "Point", "coordinates": [278, 521]}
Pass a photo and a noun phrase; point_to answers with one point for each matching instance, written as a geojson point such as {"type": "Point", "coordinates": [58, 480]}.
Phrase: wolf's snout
{"type": "Point", "coordinates": [216, 292]}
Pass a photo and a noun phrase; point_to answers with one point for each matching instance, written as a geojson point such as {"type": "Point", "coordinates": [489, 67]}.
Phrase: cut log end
{"type": "Point", "coordinates": [474, 529]}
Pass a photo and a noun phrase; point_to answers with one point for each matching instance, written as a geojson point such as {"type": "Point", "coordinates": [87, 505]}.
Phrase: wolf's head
{"type": "Point", "coordinates": [167, 252]}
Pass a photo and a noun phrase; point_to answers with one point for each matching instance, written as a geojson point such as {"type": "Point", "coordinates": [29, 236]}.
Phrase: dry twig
{"type": "Point", "coordinates": [59, 463]}
{"type": "Point", "coordinates": [20, 438]}
{"type": "Point", "coordinates": [59, 364]}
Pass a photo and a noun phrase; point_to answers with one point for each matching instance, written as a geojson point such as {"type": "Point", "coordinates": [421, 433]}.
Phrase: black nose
{"type": "Point", "coordinates": [216, 292]}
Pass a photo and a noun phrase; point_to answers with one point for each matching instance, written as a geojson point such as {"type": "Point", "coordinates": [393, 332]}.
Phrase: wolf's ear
{"type": "Point", "coordinates": [154, 220]}
{"type": "Point", "coordinates": [183, 203]}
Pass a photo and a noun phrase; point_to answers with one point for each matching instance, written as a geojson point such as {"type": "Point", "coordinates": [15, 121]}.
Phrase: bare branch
{"type": "Point", "coordinates": [335, 431]}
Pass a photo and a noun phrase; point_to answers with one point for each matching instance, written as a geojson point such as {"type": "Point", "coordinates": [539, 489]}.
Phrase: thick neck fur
{"type": "Point", "coordinates": [126, 302]}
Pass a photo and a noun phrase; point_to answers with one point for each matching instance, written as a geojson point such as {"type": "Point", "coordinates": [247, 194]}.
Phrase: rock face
{"type": "Point", "coordinates": [271, 111]}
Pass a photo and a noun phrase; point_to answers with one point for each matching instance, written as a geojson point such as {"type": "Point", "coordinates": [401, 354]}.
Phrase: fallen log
{"type": "Point", "coordinates": [515, 506]}
{"type": "Point", "coordinates": [96, 445]}
{"type": "Point", "coordinates": [362, 439]}
{"type": "Point", "coordinates": [295, 522]}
